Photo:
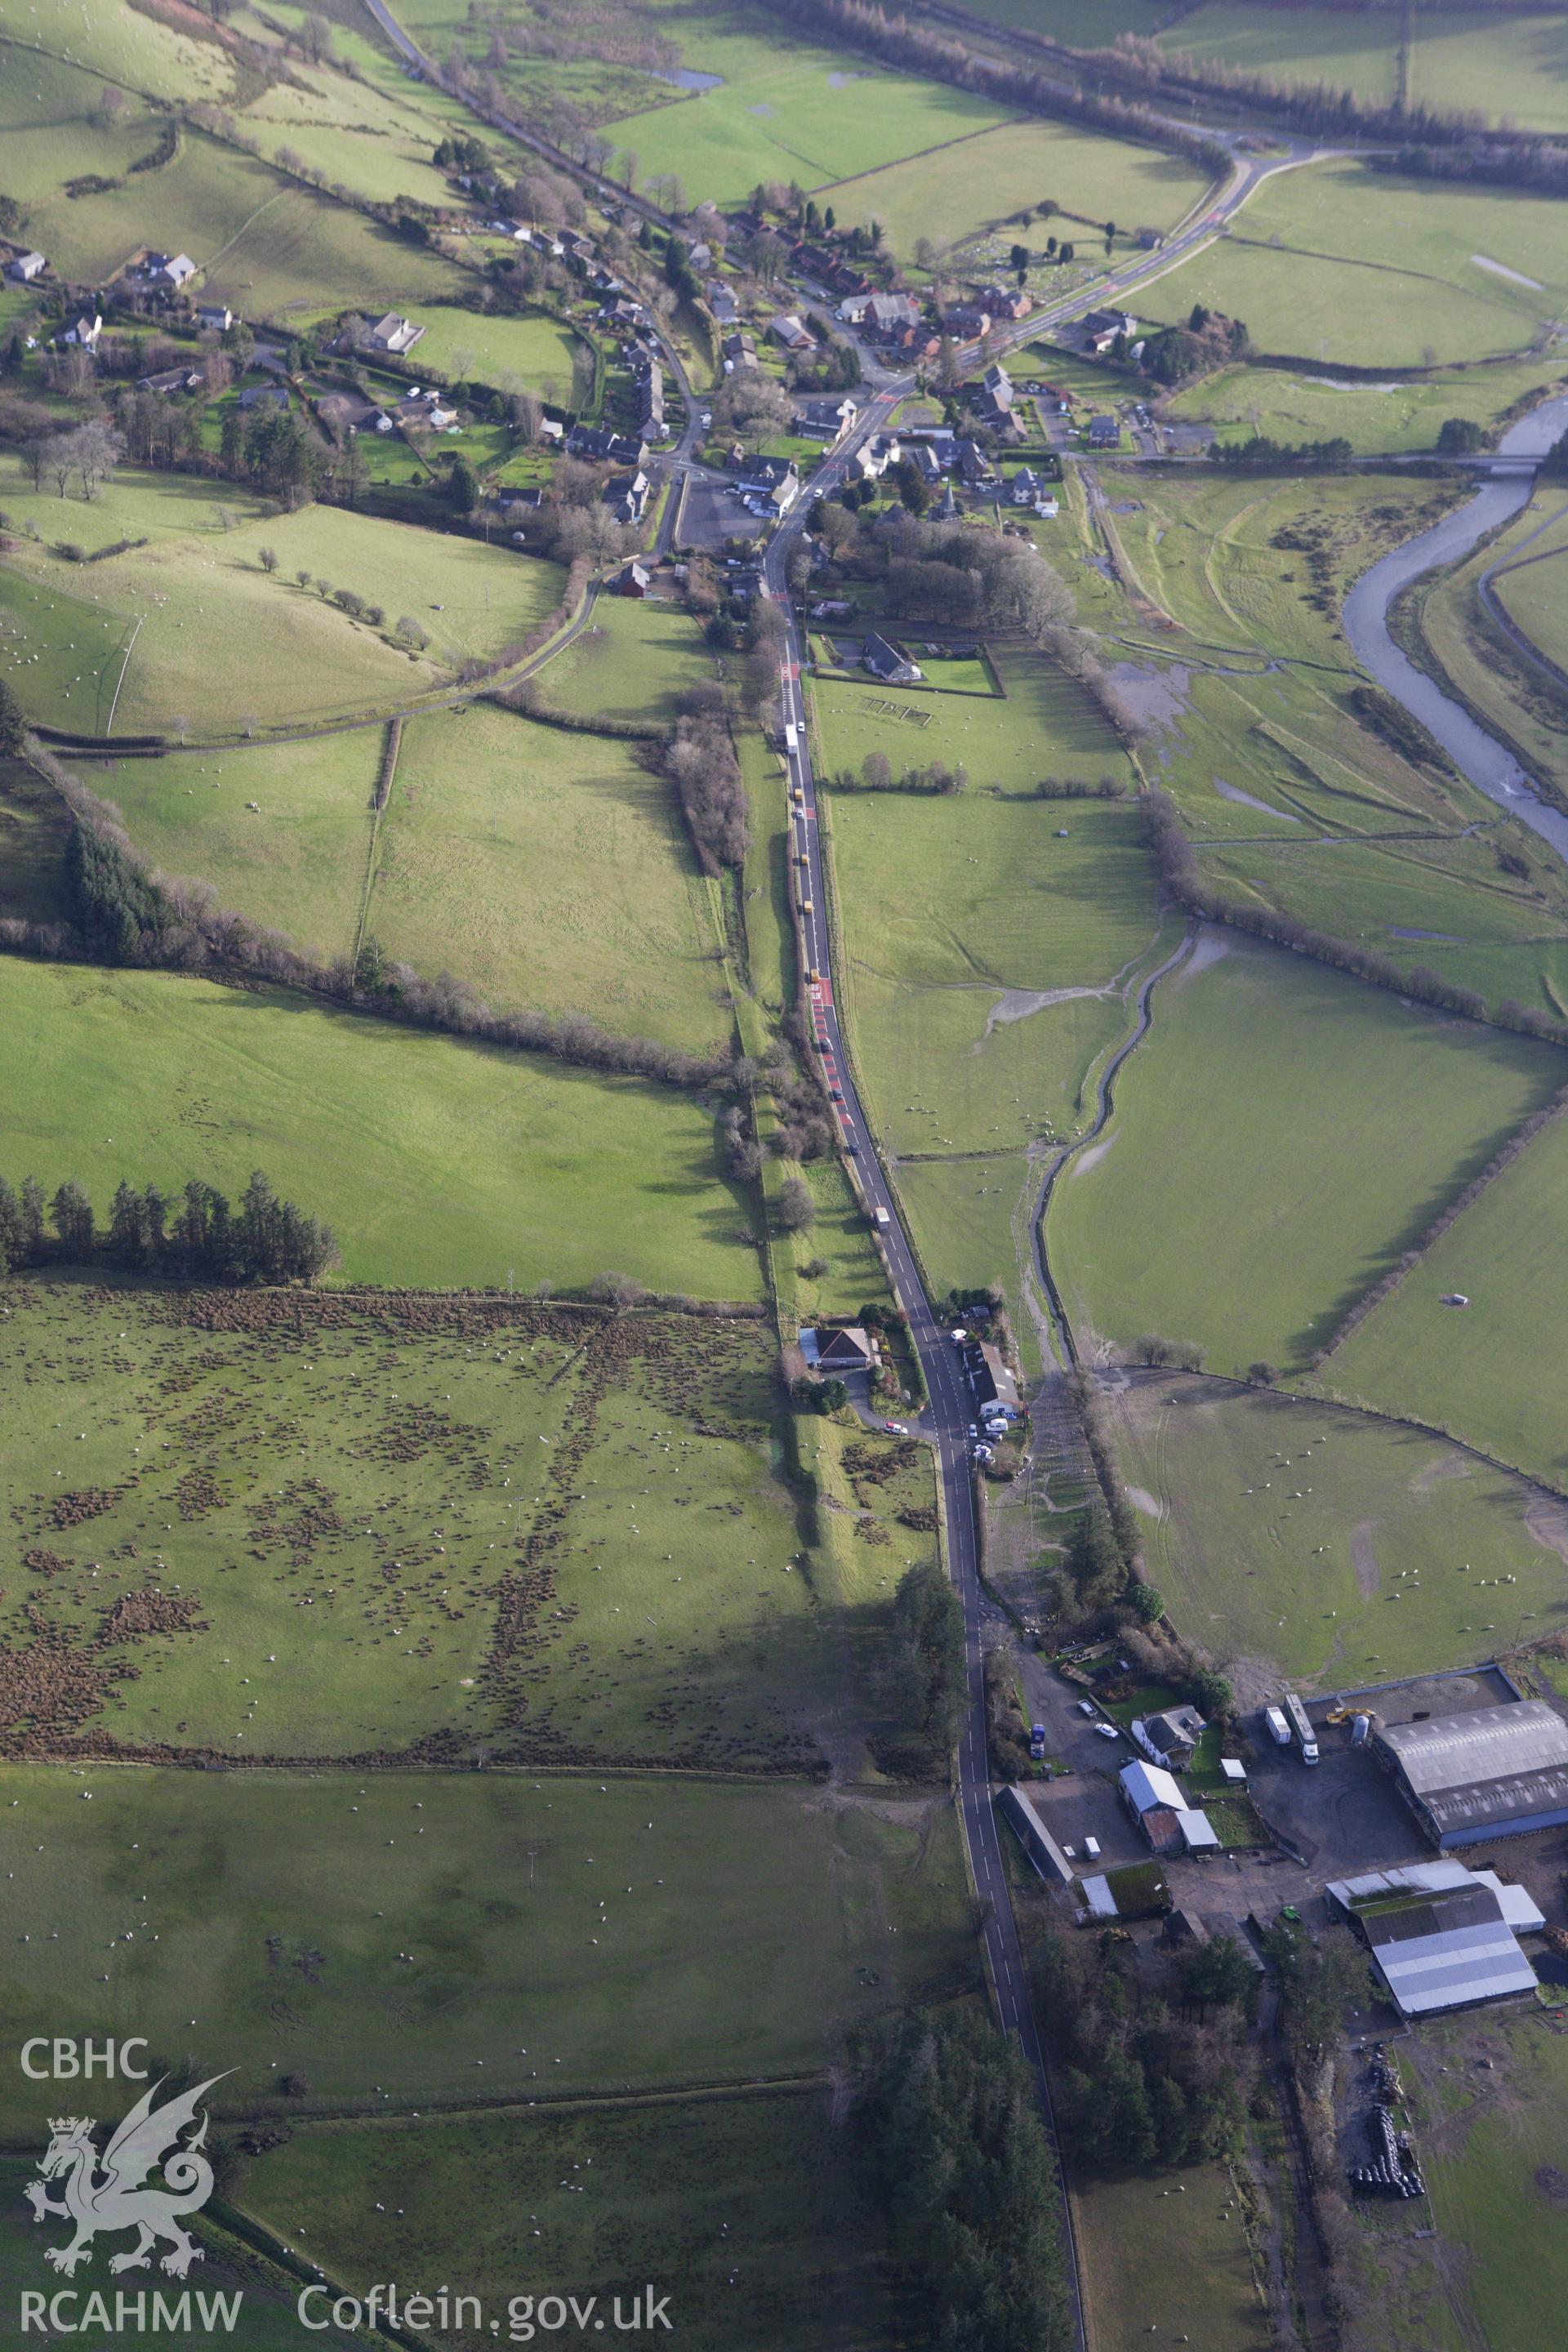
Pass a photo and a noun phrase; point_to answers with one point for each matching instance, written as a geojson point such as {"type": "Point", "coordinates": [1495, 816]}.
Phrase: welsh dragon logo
{"type": "Point", "coordinates": [105, 2193]}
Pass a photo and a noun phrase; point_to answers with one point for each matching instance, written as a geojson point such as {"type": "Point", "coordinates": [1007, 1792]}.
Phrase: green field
{"type": "Point", "coordinates": [788, 110]}
{"type": "Point", "coordinates": [397, 1519]}
{"type": "Point", "coordinates": [963, 188]}
{"type": "Point", "coordinates": [1373, 418]}
{"type": "Point", "coordinates": [353, 133]}
{"type": "Point", "coordinates": [550, 869]}
{"type": "Point", "coordinates": [1340, 262]}
{"type": "Point", "coordinates": [962, 1212]}
{"type": "Point", "coordinates": [1297, 1131]}
{"type": "Point", "coordinates": [1485, 1371]}
{"type": "Point", "coordinates": [433, 1161]}
{"type": "Point", "coordinates": [1146, 2247]}
{"type": "Point", "coordinates": [631, 665]}
{"type": "Point", "coordinates": [220, 640]}
{"type": "Point", "coordinates": [437, 1937]}
{"type": "Point", "coordinates": [1504, 67]}
{"type": "Point", "coordinates": [1285, 1530]}
{"type": "Point", "coordinates": [1328, 46]}
{"type": "Point", "coordinates": [988, 958]}
{"type": "Point", "coordinates": [294, 863]}
{"type": "Point", "coordinates": [751, 2214]}
{"type": "Point", "coordinates": [1047, 725]}
{"type": "Point", "coordinates": [1493, 2148]}
{"type": "Point", "coordinates": [1444, 901]}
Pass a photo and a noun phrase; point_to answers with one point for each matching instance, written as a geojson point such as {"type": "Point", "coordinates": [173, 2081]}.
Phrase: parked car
{"type": "Point", "coordinates": [895, 1429]}
{"type": "Point", "coordinates": [1108, 1731]}
{"type": "Point", "coordinates": [1086, 1706]}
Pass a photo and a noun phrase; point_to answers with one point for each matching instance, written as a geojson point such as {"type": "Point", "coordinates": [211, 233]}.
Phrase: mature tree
{"type": "Point", "coordinates": [13, 726]}
{"type": "Point", "coordinates": [796, 1209]}
{"type": "Point", "coordinates": [72, 1213]}
{"type": "Point", "coordinates": [877, 769]}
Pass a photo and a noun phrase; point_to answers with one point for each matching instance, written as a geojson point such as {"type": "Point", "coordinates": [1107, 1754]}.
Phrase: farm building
{"type": "Point", "coordinates": [636, 580]}
{"type": "Point", "coordinates": [1498, 1771]}
{"type": "Point", "coordinates": [25, 266]}
{"type": "Point", "coordinates": [1441, 1936]}
{"type": "Point", "coordinates": [1020, 1807]}
{"type": "Point", "coordinates": [1156, 1804]}
{"type": "Point", "coordinates": [989, 1381]}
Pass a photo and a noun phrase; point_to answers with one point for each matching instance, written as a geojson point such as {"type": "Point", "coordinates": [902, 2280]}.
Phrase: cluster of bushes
{"type": "Point", "coordinates": [1076, 788]}
{"type": "Point", "coordinates": [823, 1396]}
{"type": "Point", "coordinates": [198, 1238]}
{"type": "Point", "coordinates": [1521, 161]}
{"type": "Point", "coordinates": [1332, 457]}
{"type": "Point", "coordinates": [1137, 2083]}
{"type": "Point", "coordinates": [1208, 339]}
{"type": "Point", "coordinates": [700, 763]}
{"type": "Point", "coordinates": [875, 774]}
{"type": "Point", "coordinates": [1179, 876]}
{"type": "Point", "coordinates": [950, 2118]}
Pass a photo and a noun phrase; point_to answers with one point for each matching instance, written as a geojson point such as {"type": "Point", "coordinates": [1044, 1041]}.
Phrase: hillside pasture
{"type": "Point", "coordinates": [979, 182]}
{"type": "Point", "coordinates": [1339, 1547]}
{"type": "Point", "coordinates": [1191, 2266]}
{"type": "Point", "coordinates": [54, 131]}
{"type": "Point", "coordinates": [1297, 1131]}
{"type": "Point", "coordinates": [332, 1571]}
{"type": "Point", "coordinates": [435, 1162]}
{"type": "Point", "coordinates": [1344, 263]}
{"type": "Point", "coordinates": [220, 639]}
{"type": "Point", "coordinates": [295, 861]}
{"type": "Point", "coordinates": [549, 869]}
{"type": "Point", "coordinates": [750, 2213]}
{"type": "Point", "coordinates": [1485, 1371]}
{"type": "Point", "coordinates": [135, 51]}
{"type": "Point", "coordinates": [383, 1937]}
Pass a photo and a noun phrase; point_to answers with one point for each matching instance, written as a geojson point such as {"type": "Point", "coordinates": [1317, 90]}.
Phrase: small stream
{"type": "Point", "coordinates": [1479, 756]}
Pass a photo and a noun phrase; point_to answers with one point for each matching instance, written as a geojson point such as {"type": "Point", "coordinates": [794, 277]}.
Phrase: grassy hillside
{"type": "Point", "coordinates": [1279, 1138]}
{"type": "Point", "coordinates": [220, 638]}
{"type": "Point", "coordinates": [433, 1161]}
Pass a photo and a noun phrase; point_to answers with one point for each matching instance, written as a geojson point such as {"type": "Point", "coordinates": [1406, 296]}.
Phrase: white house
{"type": "Point", "coordinates": [84, 331]}
{"type": "Point", "coordinates": [394, 335]}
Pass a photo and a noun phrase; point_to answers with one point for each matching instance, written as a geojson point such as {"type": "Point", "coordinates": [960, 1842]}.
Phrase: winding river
{"type": "Point", "coordinates": [1479, 756]}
